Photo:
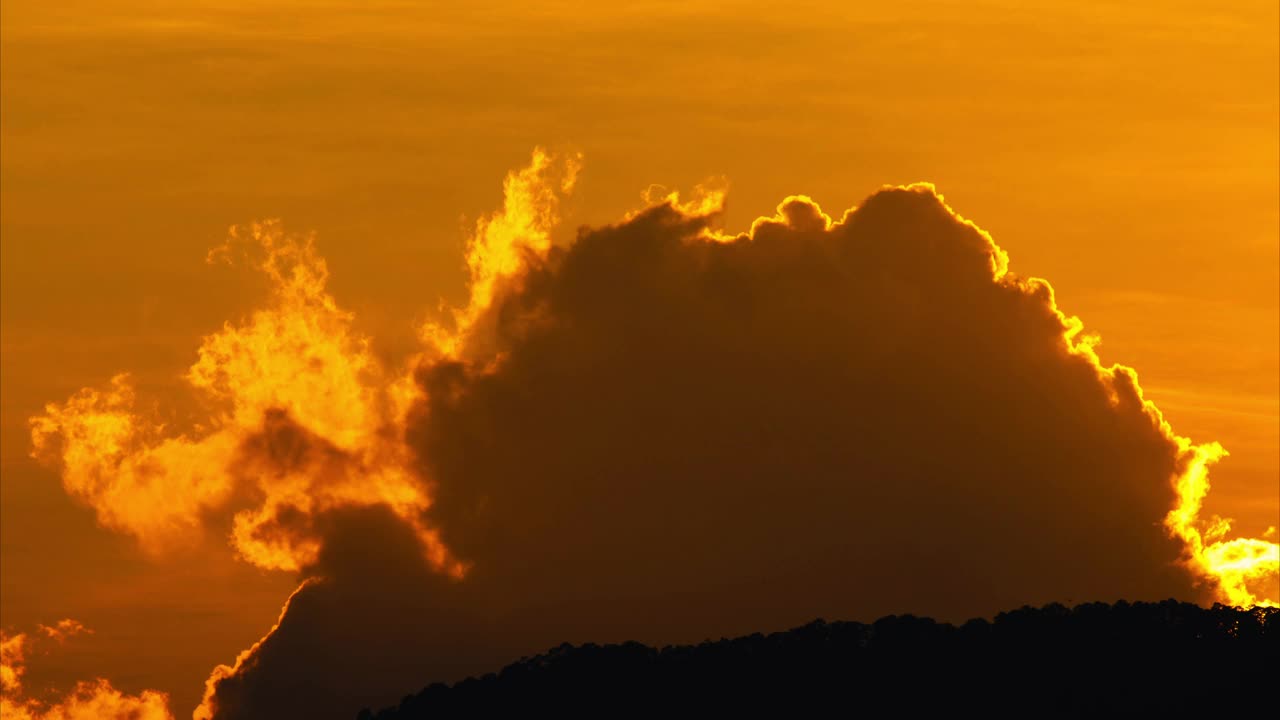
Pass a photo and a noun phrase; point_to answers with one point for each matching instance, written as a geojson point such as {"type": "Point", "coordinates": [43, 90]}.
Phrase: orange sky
{"type": "Point", "coordinates": [1128, 152]}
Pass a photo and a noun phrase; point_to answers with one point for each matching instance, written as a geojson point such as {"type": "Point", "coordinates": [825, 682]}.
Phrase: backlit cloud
{"type": "Point", "coordinates": [661, 431]}
{"type": "Point", "coordinates": [92, 700]}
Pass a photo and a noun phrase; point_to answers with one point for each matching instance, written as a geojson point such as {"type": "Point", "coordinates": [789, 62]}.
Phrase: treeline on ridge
{"type": "Point", "coordinates": [1167, 658]}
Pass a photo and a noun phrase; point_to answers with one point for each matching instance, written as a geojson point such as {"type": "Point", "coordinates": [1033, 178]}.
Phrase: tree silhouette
{"type": "Point", "coordinates": [1140, 659]}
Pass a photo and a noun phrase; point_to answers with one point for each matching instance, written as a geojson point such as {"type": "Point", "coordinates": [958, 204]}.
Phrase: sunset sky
{"type": "Point", "coordinates": [1129, 153]}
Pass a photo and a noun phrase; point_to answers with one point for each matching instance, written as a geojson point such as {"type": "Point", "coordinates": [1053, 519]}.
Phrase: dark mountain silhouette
{"type": "Point", "coordinates": [1139, 659]}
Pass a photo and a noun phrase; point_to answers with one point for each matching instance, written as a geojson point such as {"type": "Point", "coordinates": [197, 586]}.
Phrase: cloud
{"type": "Point", "coordinates": [12, 662]}
{"type": "Point", "coordinates": [301, 418]}
{"type": "Point", "coordinates": [658, 432]}
{"type": "Point", "coordinates": [842, 418]}
{"type": "Point", "coordinates": [96, 699]}
{"type": "Point", "coordinates": [370, 620]}
{"type": "Point", "coordinates": [64, 629]}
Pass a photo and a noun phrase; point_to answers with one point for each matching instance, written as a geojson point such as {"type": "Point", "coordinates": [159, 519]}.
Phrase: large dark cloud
{"type": "Point", "coordinates": [370, 621]}
{"type": "Point", "coordinates": [686, 438]}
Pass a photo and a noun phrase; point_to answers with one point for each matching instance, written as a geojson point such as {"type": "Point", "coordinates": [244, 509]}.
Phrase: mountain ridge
{"type": "Point", "coordinates": [1170, 657]}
